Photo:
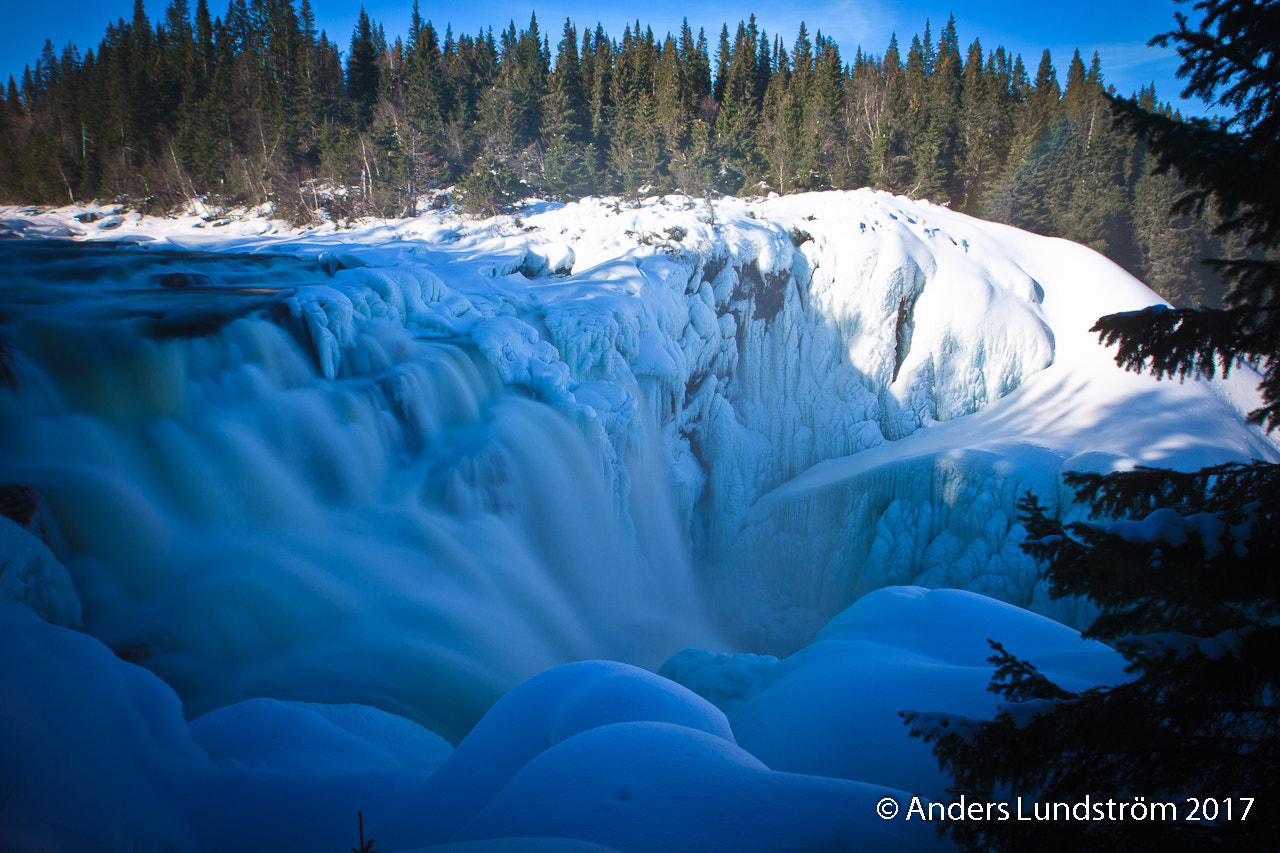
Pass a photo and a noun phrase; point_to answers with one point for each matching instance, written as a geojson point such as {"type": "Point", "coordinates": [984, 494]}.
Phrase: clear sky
{"type": "Point", "coordinates": [1117, 29]}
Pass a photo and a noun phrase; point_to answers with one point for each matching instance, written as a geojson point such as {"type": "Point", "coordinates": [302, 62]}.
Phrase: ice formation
{"type": "Point", "coordinates": [832, 708]}
{"type": "Point", "coordinates": [601, 754]}
{"type": "Point", "coordinates": [409, 465]}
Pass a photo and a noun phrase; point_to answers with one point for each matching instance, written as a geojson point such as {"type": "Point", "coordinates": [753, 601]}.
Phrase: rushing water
{"type": "Point", "coordinates": [410, 534]}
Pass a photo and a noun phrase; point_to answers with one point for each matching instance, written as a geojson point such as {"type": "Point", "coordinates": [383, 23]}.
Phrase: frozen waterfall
{"type": "Point", "coordinates": [412, 464]}
{"type": "Point", "coordinates": [409, 533]}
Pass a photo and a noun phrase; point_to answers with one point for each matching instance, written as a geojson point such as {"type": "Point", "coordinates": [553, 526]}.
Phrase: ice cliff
{"type": "Point", "coordinates": [828, 379]}
{"type": "Point", "coordinates": [406, 466]}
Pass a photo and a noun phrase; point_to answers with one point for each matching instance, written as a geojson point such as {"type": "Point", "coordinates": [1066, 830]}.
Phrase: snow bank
{"type": "Point", "coordinates": [590, 756]}
{"type": "Point", "coordinates": [832, 708]}
{"type": "Point", "coordinates": [30, 574]}
{"type": "Point", "coordinates": [842, 390]}
{"type": "Point", "coordinates": [411, 464]}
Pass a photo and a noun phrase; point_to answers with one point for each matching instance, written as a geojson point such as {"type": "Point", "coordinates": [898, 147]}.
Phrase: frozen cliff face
{"type": "Point", "coordinates": [409, 465]}
{"type": "Point", "coordinates": [851, 389]}
{"type": "Point", "coordinates": [473, 450]}
{"type": "Point", "coordinates": [758, 338]}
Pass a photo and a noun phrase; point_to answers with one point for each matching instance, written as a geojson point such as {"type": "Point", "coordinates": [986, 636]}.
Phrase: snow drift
{"type": "Point", "coordinates": [409, 465]}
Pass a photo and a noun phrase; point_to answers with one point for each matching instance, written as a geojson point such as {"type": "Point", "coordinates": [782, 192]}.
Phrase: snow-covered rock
{"type": "Point", "coordinates": [832, 709]}
{"type": "Point", "coordinates": [30, 574]}
{"type": "Point", "coordinates": [411, 464]}
{"type": "Point", "coordinates": [95, 755]}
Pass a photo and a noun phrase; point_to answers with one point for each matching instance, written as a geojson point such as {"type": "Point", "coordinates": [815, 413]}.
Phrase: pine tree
{"type": "Point", "coordinates": [600, 105]}
{"type": "Point", "coordinates": [940, 156]}
{"type": "Point", "coordinates": [1186, 580]}
{"type": "Point", "coordinates": [362, 71]}
{"type": "Point", "coordinates": [565, 106]}
{"type": "Point", "coordinates": [782, 126]}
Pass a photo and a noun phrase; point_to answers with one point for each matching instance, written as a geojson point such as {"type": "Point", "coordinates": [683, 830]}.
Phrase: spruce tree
{"type": "Point", "coordinates": [1182, 566]}
{"type": "Point", "coordinates": [827, 156]}
{"type": "Point", "coordinates": [782, 126]}
{"type": "Point", "coordinates": [1091, 164]}
{"type": "Point", "coordinates": [565, 105]}
{"type": "Point", "coordinates": [940, 155]}
{"type": "Point", "coordinates": [362, 71]}
{"type": "Point", "coordinates": [670, 90]}
{"type": "Point", "coordinates": [600, 104]}
{"type": "Point", "coordinates": [983, 126]}
{"type": "Point", "coordinates": [891, 166]}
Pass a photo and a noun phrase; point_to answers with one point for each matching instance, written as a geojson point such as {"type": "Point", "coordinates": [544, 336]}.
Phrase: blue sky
{"type": "Point", "coordinates": [1117, 29]}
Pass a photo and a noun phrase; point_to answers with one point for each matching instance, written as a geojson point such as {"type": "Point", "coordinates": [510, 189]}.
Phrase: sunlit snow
{"type": "Point", "coordinates": [353, 494]}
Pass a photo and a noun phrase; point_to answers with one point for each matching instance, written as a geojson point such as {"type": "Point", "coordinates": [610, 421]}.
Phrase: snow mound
{"type": "Point", "coordinates": [412, 464]}
{"type": "Point", "coordinates": [615, 755]}
{"type": "Point", "coordinates": [89, 746]}
{"type": "Point", "coordinates": [587, 757]}
{"type": "Point", "coordinates": [517, 845]}
{"type": "Point", "coordinates": [723, 679]}
{"type": "Point", "coordinates": [832, 708]}
{"type": "Point", "coordinates": [651, 787]}
{"type": "Point", "coordinates": [534, 717]}
{"type": "Point", "coordinates": [30, 574]}
{"type": "Point", "coordinates": [302, 737]}
{"type": "Point", "coordinates": [97, 756]}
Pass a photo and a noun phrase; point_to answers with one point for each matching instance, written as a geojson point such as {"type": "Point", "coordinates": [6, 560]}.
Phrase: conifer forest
{"type": "Point", "coordinates": [256, 106]}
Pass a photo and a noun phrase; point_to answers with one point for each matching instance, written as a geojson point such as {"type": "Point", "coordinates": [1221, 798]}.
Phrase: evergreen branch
{"type": "Point", "coordinates": [1219, 167]}
{"type": "Point", "coordinates": [1204, 343]}
{"type": "Point", "coordinates": [1200, 343]}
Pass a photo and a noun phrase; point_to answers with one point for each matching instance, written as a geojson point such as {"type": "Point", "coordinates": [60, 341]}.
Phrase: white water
{"type": "Point", "coordinates": [415, 482]}
{"type": "Point", "coordinates": [410, 534]}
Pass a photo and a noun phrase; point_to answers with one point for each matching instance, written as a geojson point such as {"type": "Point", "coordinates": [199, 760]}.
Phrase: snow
{"type": "Point", "coordinates": [307, 737]}
{"type": "Point", "coordinates": [1168, 527]}
{"type": "Point", "coordinates": [723, 679]}
{"type": "Point", "coordinates": [30, 574]}
{"type": "Point", "coordinates": [1229, 642]}
{"type": "Point", "coordinates": [352, 495]}
{"type": "Point", "coordinates": [831, 709]}
{"type": "Point", "coordinates": [97, 756]}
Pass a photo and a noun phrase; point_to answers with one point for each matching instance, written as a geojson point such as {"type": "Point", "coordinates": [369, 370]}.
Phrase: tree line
{"type": "Point", "coordinates": [1185, 580]}
{"type": "Point", "coordinates": [258, 106]}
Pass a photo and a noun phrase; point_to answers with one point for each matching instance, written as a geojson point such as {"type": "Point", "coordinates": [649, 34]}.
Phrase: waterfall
{"type": "Point", "coordinates": [410, 534]}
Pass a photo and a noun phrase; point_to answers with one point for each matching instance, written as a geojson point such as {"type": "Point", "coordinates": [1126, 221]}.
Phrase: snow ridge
{"type": "Point", "coordinates": [839, 391]}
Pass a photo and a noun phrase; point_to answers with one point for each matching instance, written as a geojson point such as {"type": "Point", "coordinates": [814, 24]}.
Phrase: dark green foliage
{"type": "Point", "coordinates": [568, 170]}
{"type": "Point", "coordinates": [256, 105]}
{"type": "Point", "coordinates": [1186, 579]}
{"type": "Point", "coordinates": [565, 106]}
{"type": "Point", "coordinates": [1197, 621]}
{"type": "Point", "coordinates": [362, 71]}
{"type": "Point", "coordinates": [489, 188]}
{"type": "Point", "coordinates": [1164, 241]}
{"type": "Point", "coordinates": [1228, 169]}
{"type": "Point", "coordinates": [1218, 577]}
